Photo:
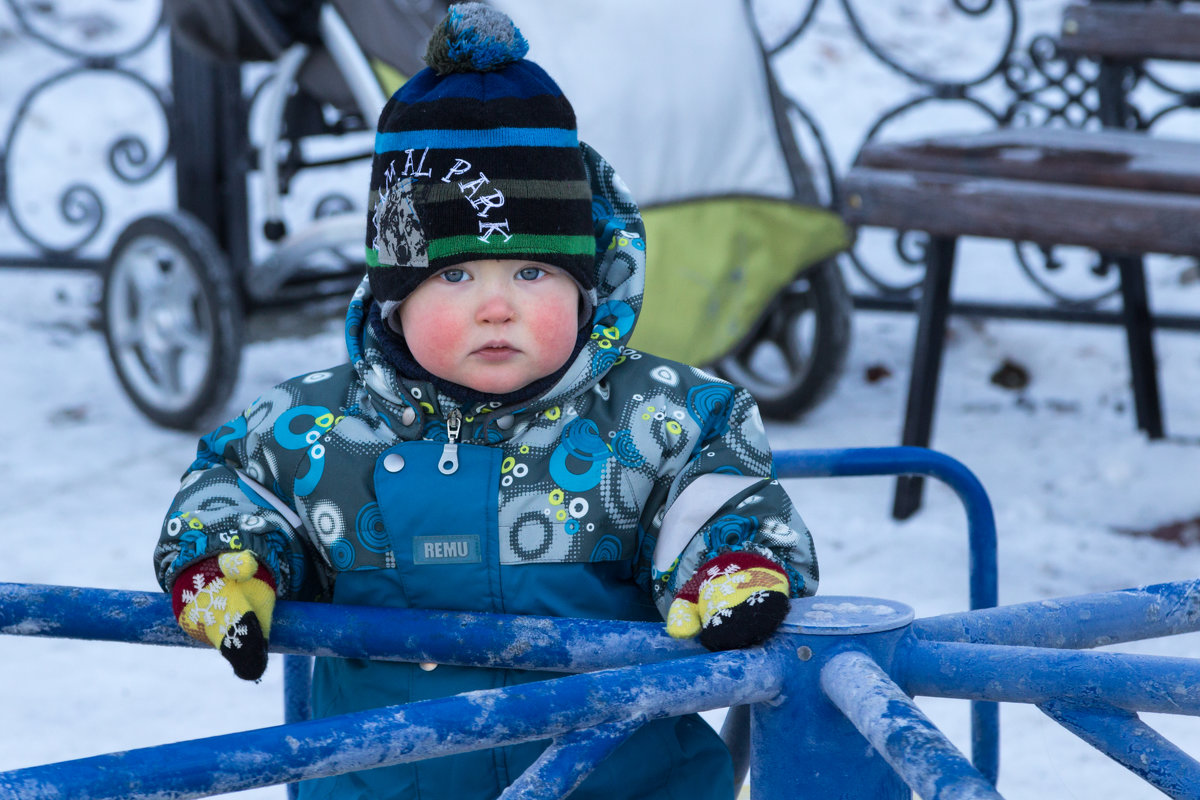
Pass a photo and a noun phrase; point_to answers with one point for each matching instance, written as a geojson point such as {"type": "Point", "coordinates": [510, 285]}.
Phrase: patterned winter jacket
{"type": "Point", "coordinates": [598, 499]}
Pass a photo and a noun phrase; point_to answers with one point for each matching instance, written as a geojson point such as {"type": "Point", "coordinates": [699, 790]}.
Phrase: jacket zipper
{"type": "Point", "coordinates": [448, 463]}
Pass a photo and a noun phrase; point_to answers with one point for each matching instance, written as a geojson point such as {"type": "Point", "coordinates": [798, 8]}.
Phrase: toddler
{"type": "Point", "coordinates": [491, 443]}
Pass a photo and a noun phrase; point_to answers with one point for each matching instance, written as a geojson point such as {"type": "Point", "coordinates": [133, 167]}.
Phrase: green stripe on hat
{"type": "Point", "coordinates": [515, 188]}
{"type": "Point", "coordinates": [517, 243]}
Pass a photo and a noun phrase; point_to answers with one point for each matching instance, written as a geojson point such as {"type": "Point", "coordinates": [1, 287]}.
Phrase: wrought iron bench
{"type": "Point", "coordinates": [1131, 31]}
{"type": "Point", "coordinates": [1122, 36]}
{"type": "Point", "coordinates": [1122, 193]}
{"type": "Point", "coordinates": [1119, 192]}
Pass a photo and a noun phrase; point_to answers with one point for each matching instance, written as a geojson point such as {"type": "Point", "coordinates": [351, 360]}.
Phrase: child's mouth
{"type": "Point", "coordinates": [496, 352]}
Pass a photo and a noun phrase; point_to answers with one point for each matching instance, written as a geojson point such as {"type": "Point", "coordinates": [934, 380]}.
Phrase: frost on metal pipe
{"type": "Point", "coordinates": [914, 747]}
{"type": "Point", "coordinates": [485, 640]}
{"type": "Point", "coordinates": [1040, 675]}
{"type": "Point", "coordinates": [798, 740]}
{"type": "Point", "coordinates": [1124, 738]}
{"type": "Point", "coordinates": [1084, 621]}
{"type": "Point", "coordinates": [401, 734]}
{"type": "Point", "coordinates": [568, 761]}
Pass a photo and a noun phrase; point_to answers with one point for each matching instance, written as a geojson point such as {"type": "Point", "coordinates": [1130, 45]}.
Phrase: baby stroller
{"type": "Point", "coordinates": [741, 276]}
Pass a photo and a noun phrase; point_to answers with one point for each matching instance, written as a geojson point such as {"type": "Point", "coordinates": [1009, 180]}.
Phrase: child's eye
{"type": "Point", "coordinates": [453, 275]}
{"type": "Point", "coordinates": [531, 273]}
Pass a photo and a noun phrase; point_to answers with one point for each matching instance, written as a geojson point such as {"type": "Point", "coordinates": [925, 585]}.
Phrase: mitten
{"type": "Point", "coordinates": [735, 600]}
{"type": "Point", "coordinates": [227, 602]}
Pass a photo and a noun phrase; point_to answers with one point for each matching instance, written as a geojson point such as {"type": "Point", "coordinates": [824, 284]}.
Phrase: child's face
{"type": "Point", "coordinates": [494, 325]}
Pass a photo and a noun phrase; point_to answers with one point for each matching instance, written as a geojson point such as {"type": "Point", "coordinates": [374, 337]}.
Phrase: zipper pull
{"type": "Point", "coordinates": [448, 463]}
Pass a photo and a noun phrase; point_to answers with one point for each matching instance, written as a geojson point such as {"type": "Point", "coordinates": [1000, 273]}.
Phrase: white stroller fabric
{"type": "Point", "coordinates": [672, 93]}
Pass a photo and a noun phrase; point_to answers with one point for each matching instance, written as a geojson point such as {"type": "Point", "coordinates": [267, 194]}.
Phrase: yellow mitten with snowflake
{"type": "Point", "coordinates": [735, 600]}
{"type": "Point", "coordinates": [227, 602]}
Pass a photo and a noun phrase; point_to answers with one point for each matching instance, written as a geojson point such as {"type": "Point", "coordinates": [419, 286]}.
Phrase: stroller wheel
{"type": "Point", "coordinates": [172, 318]}
{"type": "Point", "coordinates": [794, 355]}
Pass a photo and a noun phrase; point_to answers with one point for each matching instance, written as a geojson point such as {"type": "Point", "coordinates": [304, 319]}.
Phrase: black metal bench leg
{"type": "Point", "coordinates": [926, 365]}
{"type": "Point", "coordinates": [1139, 332]}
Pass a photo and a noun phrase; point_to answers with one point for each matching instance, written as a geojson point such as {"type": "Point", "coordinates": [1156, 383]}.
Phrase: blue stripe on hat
{"type": "Point", "coordinates": [469, 139]}
{"type": "Point", "coordinates": [523, 79]}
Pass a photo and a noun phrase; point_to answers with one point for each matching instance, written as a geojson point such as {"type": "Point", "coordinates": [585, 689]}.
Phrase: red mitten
{"type": "Point", "coordinates": [227, 601]}
{"type": "Point", "coordinates": [735, 600]}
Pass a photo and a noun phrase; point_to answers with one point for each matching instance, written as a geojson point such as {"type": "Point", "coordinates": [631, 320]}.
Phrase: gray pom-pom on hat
{"type": "Point", "coordinates": [474, 37]}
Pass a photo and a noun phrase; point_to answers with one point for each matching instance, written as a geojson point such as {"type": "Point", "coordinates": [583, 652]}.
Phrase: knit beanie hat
{"type": "Point", "coordinates": [476, 157]}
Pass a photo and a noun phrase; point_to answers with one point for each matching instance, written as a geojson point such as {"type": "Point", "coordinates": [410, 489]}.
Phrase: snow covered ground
{"type": "Point", "coordinates": [84, 480]}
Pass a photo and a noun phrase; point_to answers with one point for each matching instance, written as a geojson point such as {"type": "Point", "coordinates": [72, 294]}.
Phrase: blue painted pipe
{"type": "Point", "coordinates": [865, 461]}
{"type": "Point", "coordinates": [1006, 673]}
{"type": "Point", "coordinates": [735, 733]}
{"type": "Point", "coordinates": [485, 640]}
{"type": "Point", "coordinates": [981, 534]}
{"type": "Point", "coordinates": [914, 747]}
{"type": "Point", "coordinates": [562, 645]}
{"type": "Point", "coordinates": [297, 697]}
{"type": "Point", "coordinates": [458, 639]}
{"type": "Point", "coordinates": [400, 734]}
{"type": "Point", "coordinates": [297, 684]}
{"type": "Point", "coordinates": [1084, 621]}
{"type": "Point", "coordinates": [809, 652]}
{"type": "Point", "coordinates": [1133, 744]}
{"type": "Point", "coordinates": [75, 612]}
{"type": "Point", "coordinates": [568, 761]}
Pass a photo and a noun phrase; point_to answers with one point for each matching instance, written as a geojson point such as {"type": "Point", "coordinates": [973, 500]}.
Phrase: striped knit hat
{"type": "Point", "coordinates": [476, 157]}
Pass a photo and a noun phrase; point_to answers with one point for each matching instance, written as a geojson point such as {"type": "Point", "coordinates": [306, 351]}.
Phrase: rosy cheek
{"type": "Point", "coordinates": [555, 329]}
{"type": "Point", "coordinates": [433, 339]}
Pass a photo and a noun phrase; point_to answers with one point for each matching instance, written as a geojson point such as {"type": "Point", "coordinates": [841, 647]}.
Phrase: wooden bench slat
{"type": "Point", "coordinates": [1112, 220]}
{"type": "Point", "coordinates": [1118, 159]}
{"type": "Point", "coordinates": [1132, 31]}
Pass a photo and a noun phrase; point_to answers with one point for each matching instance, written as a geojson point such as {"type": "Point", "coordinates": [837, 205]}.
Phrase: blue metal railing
{"type": "Point", "coordinates": [981, 536]}
{"type": "Point", "coordinates": [361, 632]}
{"type": "Point", "coordinates": [833, 463]}
{"type": "Point", "coordinates": [866, 461]}
{"type": "Point", "coordinates": [866, 656]}
{"type": "Point", "coordinates": [848, 462]}
{"type": "Point", "coordinates": [433, 636]}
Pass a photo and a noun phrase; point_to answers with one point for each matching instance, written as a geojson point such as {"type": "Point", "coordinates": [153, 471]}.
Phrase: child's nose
{"type": "Point", "coordinates": [496, 306]}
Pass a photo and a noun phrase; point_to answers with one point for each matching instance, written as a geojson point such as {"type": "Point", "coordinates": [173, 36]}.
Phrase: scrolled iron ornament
{"type": "Point", "coordinates": [80, 205]}
{"type": "Point", "coordinates": [790, 35]}
{"type": "Point", "coordinates": [1042, 86]}
{"type": "Point", "coordinates": [984, 6]}
{"type": "Point", "coordinates": [1047, 266]}
{"type": "Point", "coordinates": [980, 8]}
{"type": "Point", "coordinates": [25, 16]}
{"type": "Point", "coordinates": [1048, 87]}
{"type": "Point", "coordinates": [130, 157]}
{"type": "Point", "coordinates": [1188, 104]}
{"type": "Point", "coordinates": [1174, 98]}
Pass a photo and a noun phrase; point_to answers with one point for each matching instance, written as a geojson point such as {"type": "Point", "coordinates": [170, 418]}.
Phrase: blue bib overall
{"type": "Point", "coordinates": [441, 521]}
